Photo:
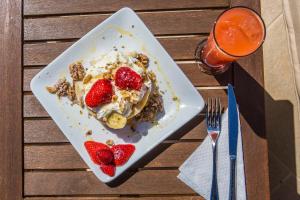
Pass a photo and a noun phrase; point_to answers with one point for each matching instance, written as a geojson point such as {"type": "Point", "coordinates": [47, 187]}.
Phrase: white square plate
{"type": "Point", "coordinates": [125, 31]}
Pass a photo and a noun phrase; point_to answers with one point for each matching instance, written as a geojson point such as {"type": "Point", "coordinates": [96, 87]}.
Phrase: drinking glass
{"type": "Point", "coordinates": [237, 32]}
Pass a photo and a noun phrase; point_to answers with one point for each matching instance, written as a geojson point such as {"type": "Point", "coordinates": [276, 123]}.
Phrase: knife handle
{"type": "Point", "coordinates": [232, 186]}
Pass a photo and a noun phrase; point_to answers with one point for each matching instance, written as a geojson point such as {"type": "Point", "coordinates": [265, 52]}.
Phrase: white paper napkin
{"type": "Point", "coordinates": [196, 171]}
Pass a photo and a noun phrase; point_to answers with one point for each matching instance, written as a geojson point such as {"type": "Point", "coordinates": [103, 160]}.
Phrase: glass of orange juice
{"type": "Point", "coordinates": [237, 32]}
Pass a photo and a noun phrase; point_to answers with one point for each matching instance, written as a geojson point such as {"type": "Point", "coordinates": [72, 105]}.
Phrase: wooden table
{"type": "Point", "coordinates": [37, 160]}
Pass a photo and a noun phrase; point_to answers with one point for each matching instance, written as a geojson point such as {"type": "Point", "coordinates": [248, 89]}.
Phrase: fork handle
{"type": "Point", "coordinates": [214, 194]}
{"type": "Point", "coordinates": [232, 187]}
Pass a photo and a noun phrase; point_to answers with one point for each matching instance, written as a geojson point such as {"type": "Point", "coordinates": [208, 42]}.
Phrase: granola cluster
{"type": "Point", "coordinates": [77, 71]}
{"type": "Point", "coordinates": [143, 59]}
{"type": "Point", "coordinates": [62, 88]}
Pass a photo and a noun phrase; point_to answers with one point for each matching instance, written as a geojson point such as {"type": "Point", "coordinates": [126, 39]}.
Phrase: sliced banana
{"type": "Point", "coordinates": [116, 121]}
{"type": "Point", "coordinates": [136, 109]}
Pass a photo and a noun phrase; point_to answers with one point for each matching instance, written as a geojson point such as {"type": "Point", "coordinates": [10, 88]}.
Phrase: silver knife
{"type": "Point", "coordinates": [233, 138]}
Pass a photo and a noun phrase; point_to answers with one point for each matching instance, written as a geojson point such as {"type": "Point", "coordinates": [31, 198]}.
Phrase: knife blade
{"type": "Point", "coordinates": [232, 121]}
{"type": "Point", "coordinates": [233, 124]}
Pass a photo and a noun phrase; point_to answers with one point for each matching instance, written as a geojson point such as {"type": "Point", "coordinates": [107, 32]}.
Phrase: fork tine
{"type": "Point", "coordinates": [216, 112]}
{"type": "Point", "coordinates": [219, 113]}
{"type": "Point", "coordinates": [211, 112]}
{"type": "Point", "coordinates": [208, 113]}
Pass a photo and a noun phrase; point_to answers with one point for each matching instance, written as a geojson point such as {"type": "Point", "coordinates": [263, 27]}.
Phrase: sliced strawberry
{"type": "Point", "coordinates": [100, 93]}
{"type": "Point", "coordinates": [94, 147]}
{"type": "Point", "coordinates": [126, 78]}
{"type": "Point", "coordinates": [122, 153]}
{"type": "Point", "coordinates": [108, 169]}
{"type": "Point", "coordinates": [105, 156]}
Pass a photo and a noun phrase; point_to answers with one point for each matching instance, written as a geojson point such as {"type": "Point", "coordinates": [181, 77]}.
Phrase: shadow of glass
{"type": "Point", "coordinates": [257, 106]}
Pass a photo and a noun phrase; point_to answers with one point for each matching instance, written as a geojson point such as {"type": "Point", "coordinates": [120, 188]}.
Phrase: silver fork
{"type": "Point", "coordinates": [213, 124]}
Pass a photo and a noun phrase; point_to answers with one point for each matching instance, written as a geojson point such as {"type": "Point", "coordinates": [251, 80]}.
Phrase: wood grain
{"type": "Point", "coordinates": [163, 18]}
{"type": "Point", "coordinates": [85, 183]}
{"type": "Point", "coordinates": [160, 23]}
{"type": "Point", "coordinates": [44, 53]}
{"type": "Point", "coordinates": [65, 156]}
{"type": "Point", "coordinates": [11, 179]}
{"type": "Point", "coordinates": [46, 131]}
{"type": "Point", "coordinates": [179, 197]}
{"type": "Point", "coordinates": [50, 7]}
{"type": "Point", "coordinates": [32, 108]}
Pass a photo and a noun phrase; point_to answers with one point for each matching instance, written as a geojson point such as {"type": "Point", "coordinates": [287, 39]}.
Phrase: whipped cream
{"type": "Point", "coordinates": [107, 64]}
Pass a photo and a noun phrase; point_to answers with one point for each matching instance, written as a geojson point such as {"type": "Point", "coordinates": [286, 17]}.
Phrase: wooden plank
{"type": "Point", "coordinates": [160, 23]}
{"type": "Point", "coordinates": [179, 197]}
{"type": "Point", "coordinates": [249, 88]}
{"type": "Point", "coordinates": [11, 100]}
{"type": "Point", "coordinates": [50, 7]}
{"type": "Point", "coordinates": [85, 183]}
{"type": "Point", "coordinates": [46, 131]}
{"type": "Point", "coordinates": [32, 108]}
{"type": "Point", "coordinates": [191, 70]}
{"type": "Point", "coordinates": [180, 48]}
{"type": "Point", "coordinates": [65, 156]}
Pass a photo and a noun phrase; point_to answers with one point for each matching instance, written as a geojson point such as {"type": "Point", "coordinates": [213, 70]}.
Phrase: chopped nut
{"type": "Point", "coordinates": [71, 93]}
{"type": "Point", "coordinates": [87, 79]}
{"type": "Point", "coordinates": [110, 142]}
{"type": "Point", "coordinates": [134, 97]}
{"type": "Point", "coordinates": [51, 90]}
{"type": "Point", "coordinates": [89, 132]}
{"type": "Point", "coordinates": [107, 76]}
{"type": "Point", "coordinates": [62, 87]}
{"type": "Point", "coordinates": [114, 98]}
{"type": "Point", "coordinates": [143, 59]}
{"type": "Point", "coordinates": [152, 76]}
{"type": "Point", "coordinates": [125, 94]}
{"type": "Point", "coordinates": [77, 71]}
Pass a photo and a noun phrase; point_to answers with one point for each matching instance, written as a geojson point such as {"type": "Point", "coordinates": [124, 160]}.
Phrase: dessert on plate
{"type": "Point", "coordinates": [117, 89]}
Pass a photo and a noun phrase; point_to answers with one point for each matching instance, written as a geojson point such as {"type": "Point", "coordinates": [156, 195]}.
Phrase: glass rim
{"type": "Point", "coordinates": [259, 17]}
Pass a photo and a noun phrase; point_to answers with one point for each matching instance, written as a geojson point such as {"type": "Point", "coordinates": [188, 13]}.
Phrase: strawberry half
{"type": "Point", "coordinates": [122, 153]}
{"type": "Point", "coordinates": [126, 78]}
{"type": "Point", "coordinates": [108, 158]}
{"type": "Point", "coordinates": [93, 148]}
{"type": "Point", "coordinates": [100, 93]}
{"type": "Point", "coordinates": [105, 156]}
{"type": "Point", "coordinates": [108, 169]}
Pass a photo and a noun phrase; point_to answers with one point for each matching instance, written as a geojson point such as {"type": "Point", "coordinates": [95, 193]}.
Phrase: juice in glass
{"type": "Point", "coordinates": [237, 32]}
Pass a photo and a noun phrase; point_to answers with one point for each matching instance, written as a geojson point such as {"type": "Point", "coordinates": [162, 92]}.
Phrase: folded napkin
{"type": "Point", "coordinates": [196, 171]}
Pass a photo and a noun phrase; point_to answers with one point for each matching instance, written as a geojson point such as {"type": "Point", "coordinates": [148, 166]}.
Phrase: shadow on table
{"type": "Point", "coordinates": [156, 151]}
{"type": "Point", "coordinates": [254, 102]}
